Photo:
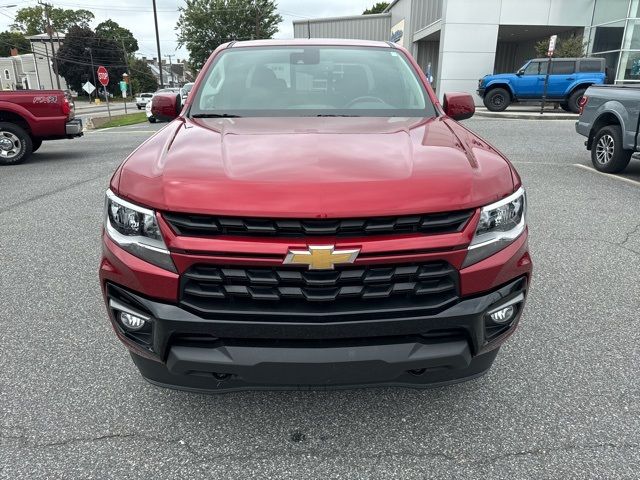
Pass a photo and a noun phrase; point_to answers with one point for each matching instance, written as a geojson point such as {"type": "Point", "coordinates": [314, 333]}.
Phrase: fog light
{"type": "Point", "coordinates": [504, 315]}
{"type": "Point", "coordinates": [506, 312]}
{"type": "Point", "coordinates": [132, 322]}
{"type": "Point", "coordinates": [129, 318]}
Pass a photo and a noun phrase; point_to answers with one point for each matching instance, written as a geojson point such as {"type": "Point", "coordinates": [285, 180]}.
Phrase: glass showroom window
{"type": "Point", "coordinates": [610, 10]}
{"type": "Point", "coordinates": [629, 70]}
{"type": "Point", "coordinates": [634, 11]}
{"type": "Point", "coordinates": [607, 38]}
{"type": "Point", "coordinates": [629, 67]}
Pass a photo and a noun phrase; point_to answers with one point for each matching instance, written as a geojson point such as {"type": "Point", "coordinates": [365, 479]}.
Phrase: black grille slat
{"type": "Point", "coordinates": [208, 288]}
{"type": "Point", "coordinates": [208, 225]}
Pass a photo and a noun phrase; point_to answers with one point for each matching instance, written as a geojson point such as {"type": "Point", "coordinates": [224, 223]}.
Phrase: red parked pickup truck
{"type": "Point", "coordinates": [27, 117]}
{"type": "Point", "coordinates": [314, 217]}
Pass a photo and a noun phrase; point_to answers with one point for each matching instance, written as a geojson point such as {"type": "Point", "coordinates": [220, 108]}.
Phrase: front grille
{"type": "Point", "coordinates": [205, 225]}
{"type": "Point", "coordinates": [293, 292]}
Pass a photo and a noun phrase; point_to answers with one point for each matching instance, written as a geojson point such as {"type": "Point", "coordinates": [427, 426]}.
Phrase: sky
{"type": "Point", "coordinates": [137, 16]}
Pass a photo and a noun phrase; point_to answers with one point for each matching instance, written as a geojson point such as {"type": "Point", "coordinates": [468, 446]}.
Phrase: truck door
{"type": "Point", "coordinates": [530, 81]}
{"type": "Point", "coordinates": [563, 74]}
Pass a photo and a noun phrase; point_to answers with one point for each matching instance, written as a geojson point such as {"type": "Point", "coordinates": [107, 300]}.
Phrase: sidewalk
{"type": "Point", "coordinates": [528, 112]}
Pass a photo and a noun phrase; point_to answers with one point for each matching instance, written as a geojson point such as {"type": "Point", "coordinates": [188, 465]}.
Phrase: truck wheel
{"type": "Point", "coordinates": [15, 144]}
{"type": "Point", "coordinates": [574, 100]}
{"type": "Point", "coordinates": [37, 142]}
{"type": "Point", "coordinates": [497, 100]}
{"type": "Point", "coordinates": [607, 154]}
{"type": "Point", "coordinates": [151, 119]}
{"type": "Point", "coordinates": [565, 106]}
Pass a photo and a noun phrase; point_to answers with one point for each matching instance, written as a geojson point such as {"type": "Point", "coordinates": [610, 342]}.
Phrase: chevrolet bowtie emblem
{"type": "Point", "coordinates": [321, 258]}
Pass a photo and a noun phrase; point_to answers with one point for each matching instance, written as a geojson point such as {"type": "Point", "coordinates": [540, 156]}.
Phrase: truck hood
{"type": "Point", "coordinates": [506, 77]}
{"type": "Point", "coordinates": [314, 167]}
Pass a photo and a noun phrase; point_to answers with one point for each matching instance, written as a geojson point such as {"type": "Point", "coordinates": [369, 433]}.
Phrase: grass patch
{"type": "Point", "coordinates": [124, 120]}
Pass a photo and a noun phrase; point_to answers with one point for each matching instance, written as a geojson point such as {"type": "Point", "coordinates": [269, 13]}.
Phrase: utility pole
{"type": "Point", "coordinates": [46, 53]}
{"type": "Point", "coordinates": [93, 70]}
{"type": "Point", "coordinates": [47, 6]}
{"type": "Point", "coordinates": [155, 19]}
{"type": "Point", "coordinates": [171, 82]}
{"type": "Point", "coordinates": [255, 3]}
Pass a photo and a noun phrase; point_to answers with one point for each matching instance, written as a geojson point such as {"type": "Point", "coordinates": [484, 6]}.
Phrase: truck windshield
{"type": "Point", "coordinates": [311, 81]}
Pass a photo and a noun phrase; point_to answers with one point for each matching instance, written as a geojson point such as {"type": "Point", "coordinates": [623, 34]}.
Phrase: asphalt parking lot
{"type": "Point", "coordinates": [562, 400]}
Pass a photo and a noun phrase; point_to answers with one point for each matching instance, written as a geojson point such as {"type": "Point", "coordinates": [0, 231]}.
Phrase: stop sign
{"type": "Point", "coordinates": [103, 76]}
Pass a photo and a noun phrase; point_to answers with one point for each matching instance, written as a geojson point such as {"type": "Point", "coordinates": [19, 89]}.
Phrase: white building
{"type": "Point", "coordinates": [463, 40]}
{"type": "Point", "coordinates": [43, 48]}
{"type": "Point", "coordinates": [32, 71]}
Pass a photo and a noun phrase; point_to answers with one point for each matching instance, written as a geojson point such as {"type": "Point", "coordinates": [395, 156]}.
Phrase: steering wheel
{"type": "Point", "coordinates": [366, 98]}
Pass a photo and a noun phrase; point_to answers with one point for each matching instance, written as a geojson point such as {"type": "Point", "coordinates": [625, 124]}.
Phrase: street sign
{"type": "Point", "coordinates": [89, 88]}
{"type": "Point", "coordinates": [123, 86]}
{"type": "Point", "coordinates": [103, 76]}
{"type": "Point", "coordinates": [552, 45]}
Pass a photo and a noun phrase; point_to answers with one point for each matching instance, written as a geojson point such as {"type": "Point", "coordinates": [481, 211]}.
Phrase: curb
{"type": "Point", "coordinates": [527, 115]}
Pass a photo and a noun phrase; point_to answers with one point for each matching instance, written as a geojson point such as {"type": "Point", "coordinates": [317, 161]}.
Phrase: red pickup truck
{"type": "Point", "coordinates": [27, 117]}
{"type": "Point", "coordinates": [313, 216]}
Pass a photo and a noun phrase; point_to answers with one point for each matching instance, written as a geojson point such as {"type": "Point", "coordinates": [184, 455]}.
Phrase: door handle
{"type": "Point", "coordinates": [571, 78]}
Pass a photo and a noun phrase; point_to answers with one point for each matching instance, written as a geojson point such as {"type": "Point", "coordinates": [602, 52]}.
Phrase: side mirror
{"type": "Point", "coordinates": [459, 106]}
{"type": "Point", "coordinates": [520, 73]}
{"type": "Point", "coordinates": [166, 106]}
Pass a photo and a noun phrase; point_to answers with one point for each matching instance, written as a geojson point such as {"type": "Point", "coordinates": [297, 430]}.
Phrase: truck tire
{"type": "Point", "coordinates": [37, 143]}
{"type": "Point", "coordinates": [565, 106]}
{"type": "Point", "coordinates": [574, 100]}
{"type": "Point", "coordinates": [15, 144]}
{"type": "Point", "coordinates": [497, 100]}
{"type": "Point", "coordinates": [607, 154]}
{"type": "Point", "coordinates": [151, 120]}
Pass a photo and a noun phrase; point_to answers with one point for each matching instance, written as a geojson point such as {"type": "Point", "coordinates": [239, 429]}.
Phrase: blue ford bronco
{"type": "Point", "coordinates": [568, 80]}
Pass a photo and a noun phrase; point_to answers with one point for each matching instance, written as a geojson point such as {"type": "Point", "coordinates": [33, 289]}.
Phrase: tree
{"type": "Point", "coordinates": [74, 60]}
{"type": "Point", "coordinates": [110, 29]}
{"type": "Point", "coordinates": [32, 21]}
{"type": "Point", "coordinates": [9, 40]}
{"type": "Point", "coordinates": [569, 47]}
{"type": "Point", "coordinates": [141, 76]}
{"type": "Point", "coordinates": [205, 24]}
{"type": "Point", "coordinates": [377, 8]}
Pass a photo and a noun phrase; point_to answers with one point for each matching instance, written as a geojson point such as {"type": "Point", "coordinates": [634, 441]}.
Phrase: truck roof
{"type": "Point", "coordinates": [309, 41]}
{"type": "Point", "coordinates": [546, 59]}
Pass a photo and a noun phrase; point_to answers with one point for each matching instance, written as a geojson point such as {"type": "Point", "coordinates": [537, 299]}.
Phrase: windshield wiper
{"type": "Point", "coordinates": [214, 115]}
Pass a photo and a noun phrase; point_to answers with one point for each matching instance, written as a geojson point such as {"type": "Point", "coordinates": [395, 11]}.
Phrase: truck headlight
{"type": "Point", "coordinates": [500, 224]}
{"type": "Point", "coordinates": [136, 230]}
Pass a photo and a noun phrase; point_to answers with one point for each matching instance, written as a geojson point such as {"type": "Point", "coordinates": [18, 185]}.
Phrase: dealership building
{"type": "Point", "coordinates": [459, 41]}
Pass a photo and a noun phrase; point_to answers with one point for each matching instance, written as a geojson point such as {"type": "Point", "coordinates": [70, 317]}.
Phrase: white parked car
{"type": "Point", "coordinates": [147, 109]}
{"type": "Point", "coordinates": [186, 88]}
{"type": "Point", "coordinates": [142, 99]}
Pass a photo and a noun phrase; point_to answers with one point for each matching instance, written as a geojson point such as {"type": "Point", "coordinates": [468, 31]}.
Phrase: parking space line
{"type": "Point", "coordinates": [104, 130]}
{"type": "Point", "coordinates": [546, 164]}
{"type": "Point", "coordinates": [609, 175]}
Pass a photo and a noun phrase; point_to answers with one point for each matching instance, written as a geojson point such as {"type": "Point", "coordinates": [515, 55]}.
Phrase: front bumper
{"type": "Point", "coordinates": [189, 352]}
{"type": "Point", "coordinates": [480, 92]}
